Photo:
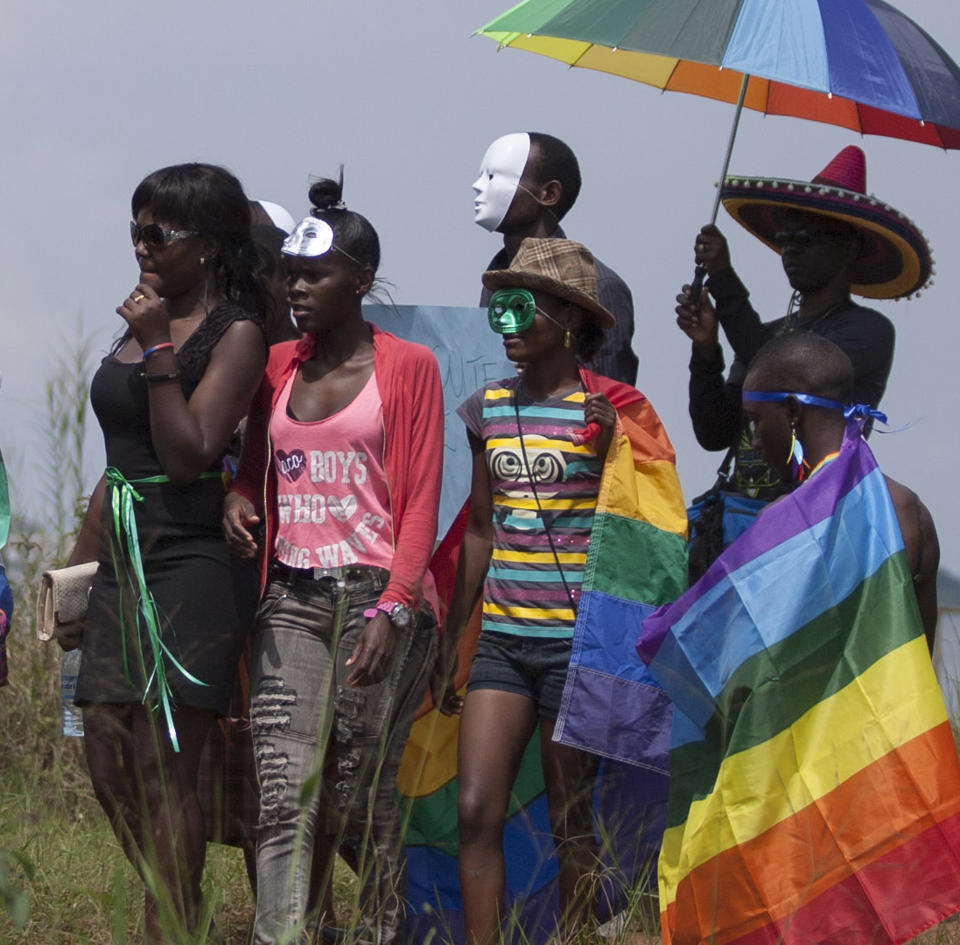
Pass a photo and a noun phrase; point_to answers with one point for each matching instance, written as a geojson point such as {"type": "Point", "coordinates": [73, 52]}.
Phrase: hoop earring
{"type": "Point", "coordinates": [797, 464]}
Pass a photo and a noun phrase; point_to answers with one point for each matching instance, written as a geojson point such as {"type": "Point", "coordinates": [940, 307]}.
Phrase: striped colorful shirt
{"type": "Point", "coordinates": [541, 530]}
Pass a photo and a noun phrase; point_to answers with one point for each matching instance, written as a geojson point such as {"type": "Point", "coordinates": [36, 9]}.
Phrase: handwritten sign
{"type": "Point", "coordinates": [469, 355]}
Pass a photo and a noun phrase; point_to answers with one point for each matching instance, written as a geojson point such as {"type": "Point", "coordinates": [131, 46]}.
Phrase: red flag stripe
{"type": "Point", "coordinates": [800, 860]}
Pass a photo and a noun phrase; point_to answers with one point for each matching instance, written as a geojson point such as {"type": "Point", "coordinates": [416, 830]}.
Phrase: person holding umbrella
{"type": "Point", "coordinates": [834, 241]}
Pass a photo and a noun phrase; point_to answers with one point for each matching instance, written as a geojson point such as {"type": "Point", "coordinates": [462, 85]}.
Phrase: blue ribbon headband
{"type": "Point", "coordinates": [850, 411]}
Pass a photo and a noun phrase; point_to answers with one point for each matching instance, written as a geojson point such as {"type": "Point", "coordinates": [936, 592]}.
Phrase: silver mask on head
{"type": "Point", "coordinates": [311, 237]}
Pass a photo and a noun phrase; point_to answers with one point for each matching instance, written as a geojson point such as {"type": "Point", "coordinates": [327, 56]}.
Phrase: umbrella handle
{"type": "Point", "coordinates": [696, 287]}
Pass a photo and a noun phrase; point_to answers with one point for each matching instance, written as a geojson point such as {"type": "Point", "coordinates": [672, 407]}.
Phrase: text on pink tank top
{"type": "Point", "coordinates": [333, 505]}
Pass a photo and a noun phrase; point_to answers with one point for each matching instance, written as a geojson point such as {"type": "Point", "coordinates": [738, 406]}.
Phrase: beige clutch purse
{"type": "Point", "coordinates": [63, 597]}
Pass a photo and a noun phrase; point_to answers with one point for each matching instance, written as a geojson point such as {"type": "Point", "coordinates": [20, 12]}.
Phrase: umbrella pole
{"type": "Point", "coordinates": [699, 272]}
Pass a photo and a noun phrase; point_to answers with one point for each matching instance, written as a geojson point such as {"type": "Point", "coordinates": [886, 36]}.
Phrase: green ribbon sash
{"type": "Point", "coordinates": [128, 569]}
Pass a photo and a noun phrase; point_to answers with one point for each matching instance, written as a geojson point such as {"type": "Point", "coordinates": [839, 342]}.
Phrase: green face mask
{"type": "Point", "coordinates": [511, 311]}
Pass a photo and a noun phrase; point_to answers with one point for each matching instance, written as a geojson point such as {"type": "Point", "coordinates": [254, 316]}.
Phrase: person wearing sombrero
{"type": "Point", "coordinates": [550, 448]}
{"type": "Point", "coordinates": [834, 241]}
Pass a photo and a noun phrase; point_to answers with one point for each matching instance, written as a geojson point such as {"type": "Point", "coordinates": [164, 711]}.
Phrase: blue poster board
{"type": "Point", "coordinates": [469, 355]}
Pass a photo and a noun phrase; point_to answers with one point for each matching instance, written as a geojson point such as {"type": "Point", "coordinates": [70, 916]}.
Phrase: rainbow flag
{"type": "Point", "coordinates": [815, 792]}
{"type": "Point", "coordinates": [639, 529]}
{"type": "Point", "coordinates": [611, 705]}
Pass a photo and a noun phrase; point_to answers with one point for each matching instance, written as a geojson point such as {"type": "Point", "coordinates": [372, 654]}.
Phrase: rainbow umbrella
{"type": "Point", "coordinates": [859, 64]}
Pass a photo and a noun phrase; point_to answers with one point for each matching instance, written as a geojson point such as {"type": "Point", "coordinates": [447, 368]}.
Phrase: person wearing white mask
{"type": "Point", "coordinates": [527, 183]}
{"type": "Point", "coordinates": [270, 225]}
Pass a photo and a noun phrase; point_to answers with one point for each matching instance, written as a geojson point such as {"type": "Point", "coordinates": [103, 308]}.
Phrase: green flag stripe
{"type": "Point", "coordinates": [820, 658]}
{"type": "Point", "coordinates": [636, 561]}
{"type": "Point", "coordinates": [432, 819]}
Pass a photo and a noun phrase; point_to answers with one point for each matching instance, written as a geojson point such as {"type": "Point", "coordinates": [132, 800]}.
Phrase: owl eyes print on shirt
{"type": "Point", "coordinates": [546, 466]}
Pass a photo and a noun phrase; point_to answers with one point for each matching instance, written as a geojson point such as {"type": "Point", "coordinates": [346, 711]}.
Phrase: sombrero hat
{"type": "Point", "coordinates": [558, 267]}
{"type": "Point", "coordinates": [895, 260]}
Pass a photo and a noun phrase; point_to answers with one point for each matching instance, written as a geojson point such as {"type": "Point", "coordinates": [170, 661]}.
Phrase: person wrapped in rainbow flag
{"type": "Point", "coordinates": [815, 786]}
{"type": "Point", "coordinates": [575, 505]}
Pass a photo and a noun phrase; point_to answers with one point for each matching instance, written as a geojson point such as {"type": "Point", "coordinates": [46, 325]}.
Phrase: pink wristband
{"type": "Point", "coordinates": [384, 607]}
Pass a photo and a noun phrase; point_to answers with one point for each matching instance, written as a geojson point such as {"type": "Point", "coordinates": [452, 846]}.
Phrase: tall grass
{"type": "Point", "coordinates": [63, 877]}
{"type": "Point", "coordinates": [42, 772]}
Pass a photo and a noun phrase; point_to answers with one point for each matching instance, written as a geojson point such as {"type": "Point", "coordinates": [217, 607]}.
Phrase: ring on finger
{"type": "Point", "coordinates": [138, 297]}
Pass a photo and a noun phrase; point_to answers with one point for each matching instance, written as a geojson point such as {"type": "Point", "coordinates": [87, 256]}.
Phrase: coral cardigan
{"type": "Point", "coordinates": [408, 379]}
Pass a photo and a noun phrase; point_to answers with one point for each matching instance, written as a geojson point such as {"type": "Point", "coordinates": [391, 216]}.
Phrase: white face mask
{"type": "Point", "coordinates": [500, 173]}
{"type": "Point", "coordinates": [310, 237]}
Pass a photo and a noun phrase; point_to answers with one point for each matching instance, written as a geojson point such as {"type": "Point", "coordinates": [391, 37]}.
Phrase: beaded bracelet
{"type": "Point", "coordinates": [160, 377]}
{"type": "Point", "coordinates": [155, 348]}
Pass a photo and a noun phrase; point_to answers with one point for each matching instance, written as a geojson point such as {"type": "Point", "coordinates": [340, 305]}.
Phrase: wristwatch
{"type": "Point", "coordinates": [400, 615]}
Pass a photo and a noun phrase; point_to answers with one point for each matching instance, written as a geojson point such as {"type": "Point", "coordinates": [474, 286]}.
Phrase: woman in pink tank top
{"type": "Point", "coordinates": [337, 495]}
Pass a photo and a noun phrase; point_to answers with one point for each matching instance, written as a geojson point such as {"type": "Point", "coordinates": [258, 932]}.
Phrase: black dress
{"type": "Point", "coordinates": [205, 596]}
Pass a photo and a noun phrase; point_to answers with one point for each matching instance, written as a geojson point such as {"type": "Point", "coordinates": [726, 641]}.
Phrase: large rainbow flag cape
{"type": "Point", "coordinates": [815, 792]}
{"type": "Point", "coordinates": [637, 555]}
{"type": "Point", "coordinates": [637, 560]}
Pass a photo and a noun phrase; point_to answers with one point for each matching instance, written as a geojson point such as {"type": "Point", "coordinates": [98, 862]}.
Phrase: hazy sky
{"type": "Point", "coordinates": [99, 94]}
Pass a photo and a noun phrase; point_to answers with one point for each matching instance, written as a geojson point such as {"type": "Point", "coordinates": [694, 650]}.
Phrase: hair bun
{"type": "Point", "coordinates": [326, 194]}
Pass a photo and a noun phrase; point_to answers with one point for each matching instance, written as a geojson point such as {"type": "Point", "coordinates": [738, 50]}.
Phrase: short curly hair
{"type": "Point", "coordinates": [552, 159]}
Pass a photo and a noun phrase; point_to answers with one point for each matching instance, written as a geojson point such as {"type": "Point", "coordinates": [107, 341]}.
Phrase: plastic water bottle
{"type": "Point", "coordinates": [72, 716]}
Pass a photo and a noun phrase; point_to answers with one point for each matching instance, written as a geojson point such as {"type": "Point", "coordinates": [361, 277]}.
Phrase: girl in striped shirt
{"type": "Point", "coordinates": [539, 441]}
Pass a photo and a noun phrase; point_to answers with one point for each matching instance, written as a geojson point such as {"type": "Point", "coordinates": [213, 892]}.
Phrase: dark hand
{"type": "Point", "coordinates": [373, 652]}
{"type": "Point", "coordinates": [597, 409]}
{"type": "Point", "coordinates": [710, 250]}
{"type": "Point", "coordinates": [144, 311]}
{"type": "Point", "coordinates": [238, 516]}
{"type": "Point", "coordinates": [698, 323]}
{"type": "Point", "coordinates": [443, 678]}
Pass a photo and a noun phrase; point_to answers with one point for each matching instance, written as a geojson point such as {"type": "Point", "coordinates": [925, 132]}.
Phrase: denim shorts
{"type": "Point", "coordinates": [535, 667]}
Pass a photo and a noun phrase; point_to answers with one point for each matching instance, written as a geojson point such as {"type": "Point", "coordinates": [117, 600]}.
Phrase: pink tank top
{"type": "Point", "coordinates": [333, 505]}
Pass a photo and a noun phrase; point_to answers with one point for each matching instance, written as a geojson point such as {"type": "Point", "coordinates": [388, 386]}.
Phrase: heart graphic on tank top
{"type": "Point", "coordinates": [341, 509]}
{"type": "Point", "coordinates": [291, 465]}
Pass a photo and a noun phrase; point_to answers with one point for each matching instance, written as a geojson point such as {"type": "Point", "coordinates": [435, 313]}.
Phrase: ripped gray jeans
{"type": "Point", "coordinates": [301, 707]}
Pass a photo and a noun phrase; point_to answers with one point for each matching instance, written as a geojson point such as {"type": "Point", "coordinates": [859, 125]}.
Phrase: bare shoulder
{"type": "Point", "coordinates": [241, 345]}
{"type": "Point", "coordinates": [244, 331]}
{"type": "Point", "coordinates": [922, 548]}
{"type": "Point", "coordinates": [903, 498]}
{"type": "Point", "coordinates": [916, 522]}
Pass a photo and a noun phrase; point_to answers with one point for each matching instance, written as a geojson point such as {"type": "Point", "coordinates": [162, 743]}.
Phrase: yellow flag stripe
{"type": "Point", "coordinates": [893, 701]}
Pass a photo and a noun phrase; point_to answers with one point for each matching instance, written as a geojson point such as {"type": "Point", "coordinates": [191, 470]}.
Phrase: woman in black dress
{"type": "Point", "coordinates": [169, 605]}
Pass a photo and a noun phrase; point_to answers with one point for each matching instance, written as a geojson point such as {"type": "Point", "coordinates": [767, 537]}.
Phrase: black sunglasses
{"type": "Point", "coordinates": [156, 235]}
